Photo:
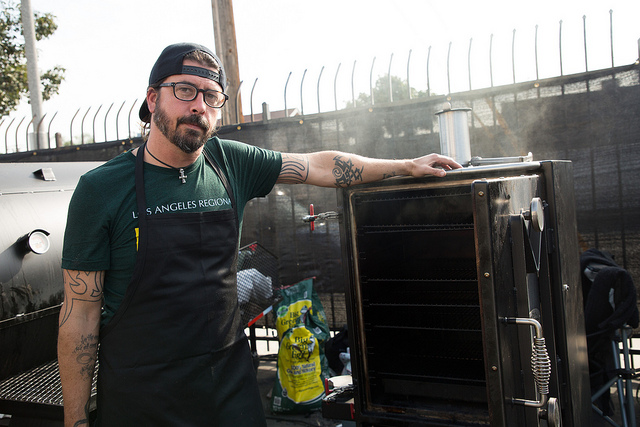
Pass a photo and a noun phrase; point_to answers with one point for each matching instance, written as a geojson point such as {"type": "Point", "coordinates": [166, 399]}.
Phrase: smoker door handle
{"type": "Point", "coordinates": [540, 362]}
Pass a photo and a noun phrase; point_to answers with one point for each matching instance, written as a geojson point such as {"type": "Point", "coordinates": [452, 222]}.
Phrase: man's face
{"type": "Point", "coordinates": [187, 124]}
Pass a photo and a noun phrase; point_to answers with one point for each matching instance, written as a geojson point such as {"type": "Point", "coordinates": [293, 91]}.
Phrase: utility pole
{"type": "Point", "coordinates": [33, 74]}
{"type": "Point", "coordinates": [225, 36]}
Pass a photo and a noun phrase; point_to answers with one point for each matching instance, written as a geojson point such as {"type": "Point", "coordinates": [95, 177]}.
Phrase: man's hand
{"type": "Point", "coordinates": [433, 164]}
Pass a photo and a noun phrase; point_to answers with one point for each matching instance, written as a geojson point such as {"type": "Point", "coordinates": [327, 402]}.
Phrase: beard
{"type": "Point", "coordinates": [188, 140]}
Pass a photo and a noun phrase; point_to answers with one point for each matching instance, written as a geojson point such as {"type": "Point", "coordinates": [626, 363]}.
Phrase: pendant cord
{"type": "Point", "coordinates": [166, 164]}
{"type": "Point", "coordinates": [182, 176]}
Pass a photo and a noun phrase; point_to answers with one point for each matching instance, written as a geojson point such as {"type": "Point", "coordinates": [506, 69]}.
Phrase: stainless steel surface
{"type": "Point", "coordinates": [434, 266]}
{"type": "Point", "coordinates": [454, 133]}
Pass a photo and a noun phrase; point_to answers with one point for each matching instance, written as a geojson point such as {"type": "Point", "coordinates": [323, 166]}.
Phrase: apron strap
{"type": "Point", "coordinates": [224, 180]}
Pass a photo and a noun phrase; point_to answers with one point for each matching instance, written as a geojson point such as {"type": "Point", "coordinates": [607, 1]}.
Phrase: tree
{"type": "Point", "coordinates": [13, 60]}
{"type": "Point", "coordinates": [381, 92]}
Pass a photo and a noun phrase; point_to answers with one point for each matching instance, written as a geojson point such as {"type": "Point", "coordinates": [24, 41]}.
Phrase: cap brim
{"type": "Point", "coordinates": [145, 114]}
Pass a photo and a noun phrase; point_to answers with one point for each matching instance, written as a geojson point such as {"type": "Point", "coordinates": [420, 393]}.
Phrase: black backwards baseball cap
{"type": "Point", "coordinates": [169, 63]}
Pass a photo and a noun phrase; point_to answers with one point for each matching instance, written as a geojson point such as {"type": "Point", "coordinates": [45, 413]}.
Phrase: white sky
{"type": "Point", "coordinates": [109, 46]}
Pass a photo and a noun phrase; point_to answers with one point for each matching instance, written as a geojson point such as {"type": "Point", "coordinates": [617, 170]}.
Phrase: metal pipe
{"type": "Point", "coordinates": [353, 92]}
{"type": "Point", "coordinates": [560, 46]}
{"type": "Point", "coordinates": [584, 31]}
{"type": "Point", "coordinates": [82, 126]}
{"type": "Point", "coordinates": [428, 81]}
{"type": "Point", "coordinates": [117, 116]}
{"type": "Point", "coordinates": [469, 62]}
{"type": "Point", "coordinates": [408, 80]}
{"type": "Point", "coordinates": [490, 59]}
{"type": "Point", "coordinates": [71, 127]}
{"type": "Point", "coordinates": [38, 132]}
{"type": "Point", "coordinates": [129, 118]}
{"type": "Point", "coordinates": [318, 87]}
{"type": "Point", "coordinates": [49, 130]}
{"type": "Point", "coordinates": [27, 134]}
{"type": "Point", "coordinates": [251, 97]}
{"type": "Point", "coordinates": [513, 55]}
{"type": "Point", "coordinates": [301, 97]}
{"type": "Point", "coordinates": [238, 102]}
{"type": "Point", "coordinates": [448, 75]}
{"type": "Point", "coordinates": [286, 114]}
{"type": "Point", "coordinates": [94, 123]}
{"type": "Point", "coordinates": [536, 52]}
{"type": "Point", "coordinates": [389, 77]}
{"type": "Point", "coordinates": [6, 132]}
{"type": "Point", "coordinates": [17, 132]}
{"type": "Point", "coordinates": [105, 123]}
{"type": "Point", "coordinates": [335, 90]}
{"type": "Point", "coordinates": [371, 78]}
{"type": "Point", "coordinates": [1, 123]}
{"type": "Point", "coordinates": [611, 34]}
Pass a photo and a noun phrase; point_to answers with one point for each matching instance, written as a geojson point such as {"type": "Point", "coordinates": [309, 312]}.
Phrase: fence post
{"type": "Point", "coordinates": [560, 46]}
{"type": "Point", "coordinates": [408, 80]}
{"type": "Point", "coordinates": [389, 77]}
{"type": "Point", "coordinates": [82, 126]}
{"type": "Point", "coordinates": [371, 78]}
{"type": "Point", "coordinates": [318, 87]}
{"type": "Point", "coordinates": [335, 90]}
{"type": "Point", "coordinates": [301, 97]}
{"type": "Point", "coordinates": [286, 114]}
{"type": "Point", "coordinates": [129, 117]}
{"type": "Point", "coordinates": [118, 115]}
{"type": "Point", "coordinates": [251, 97]}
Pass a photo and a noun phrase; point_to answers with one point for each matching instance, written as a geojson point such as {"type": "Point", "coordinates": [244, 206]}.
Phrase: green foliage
{"type": "Point", "coordinates": [13, 62]}
{"type": "Point", "coordinates": [381, 92]}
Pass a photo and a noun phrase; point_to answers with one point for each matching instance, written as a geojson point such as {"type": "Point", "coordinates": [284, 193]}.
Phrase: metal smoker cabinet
{"type": "Point", "coordinates": [464, 300]}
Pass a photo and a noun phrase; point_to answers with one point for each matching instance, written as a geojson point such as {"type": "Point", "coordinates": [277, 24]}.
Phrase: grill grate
{"type": "Point", "coordinates": [40, 385]}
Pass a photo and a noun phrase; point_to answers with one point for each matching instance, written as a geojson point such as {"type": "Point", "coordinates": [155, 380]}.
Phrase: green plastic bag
{"type": "Point", "coordinates": [302, 365]}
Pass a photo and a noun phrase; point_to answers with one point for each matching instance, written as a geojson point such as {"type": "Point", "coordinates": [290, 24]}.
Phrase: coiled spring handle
{"type": "Point", "coordinates": [540, 363]}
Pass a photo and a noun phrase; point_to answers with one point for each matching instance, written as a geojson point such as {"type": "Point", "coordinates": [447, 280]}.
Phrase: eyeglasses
{"type": "Point", "coordinates": [188, 92]}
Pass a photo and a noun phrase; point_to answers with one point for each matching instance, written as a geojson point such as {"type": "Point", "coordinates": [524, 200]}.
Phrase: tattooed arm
{"type": "Point", "coordinates": [78, 341]}
{"type": "Point", "coordinates": [336, 169]}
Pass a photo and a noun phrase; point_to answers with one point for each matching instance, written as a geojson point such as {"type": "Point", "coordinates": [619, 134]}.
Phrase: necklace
{"type": "Point", "coordinates": [182, 176]}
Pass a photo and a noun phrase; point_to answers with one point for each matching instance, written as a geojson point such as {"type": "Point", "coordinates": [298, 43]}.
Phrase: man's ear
{"type": "Point", "coordinates": [152, 96]}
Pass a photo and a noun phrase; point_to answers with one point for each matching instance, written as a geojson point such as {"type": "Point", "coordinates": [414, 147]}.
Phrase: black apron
{"type": "Point", "coordinates": [175, 353]}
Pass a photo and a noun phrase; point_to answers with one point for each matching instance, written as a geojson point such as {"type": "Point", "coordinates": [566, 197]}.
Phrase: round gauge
{"type": "Point", "coordinates": [38, 242]}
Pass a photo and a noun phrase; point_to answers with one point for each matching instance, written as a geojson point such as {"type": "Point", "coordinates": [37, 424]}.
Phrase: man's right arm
{"type": "Point", "coordinates": [78, 331]}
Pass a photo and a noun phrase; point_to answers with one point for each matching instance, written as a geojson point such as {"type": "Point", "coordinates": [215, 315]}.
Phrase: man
{"type": "Point", "coordinates": [150, 258]}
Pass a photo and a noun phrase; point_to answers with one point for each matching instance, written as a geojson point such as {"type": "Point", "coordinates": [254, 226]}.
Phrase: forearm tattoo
{"type": "Point", "coordinates": [345, 172]}
{"type": "Point", "coordinates": [86, 352]}
{"type": "Point", "coordinates": [84, 421]}
{"type": "Point", "coordinates": [295, 169]}
{"type": "Point", "coordinates": [389, 175]}
{"type": "Point", "coordinates": [82, 286]}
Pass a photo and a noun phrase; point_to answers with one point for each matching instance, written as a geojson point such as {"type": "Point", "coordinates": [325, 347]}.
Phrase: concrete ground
{"type": "Point", "coordinates": [267, 377]}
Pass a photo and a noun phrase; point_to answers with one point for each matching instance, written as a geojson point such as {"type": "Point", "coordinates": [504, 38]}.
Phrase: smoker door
{"type": "Point", "coordinates": [527, 258]}
{"type": "Point", "coordinates": [509, 235]}
{"type": "Point", "coordinates": [439, 270]}
{"type": "Point", "coordinates": [414, 312]}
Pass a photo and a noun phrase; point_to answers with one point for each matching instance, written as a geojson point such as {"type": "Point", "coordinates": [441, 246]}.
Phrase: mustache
{"type": "Point", "coordinates": [193, 119]}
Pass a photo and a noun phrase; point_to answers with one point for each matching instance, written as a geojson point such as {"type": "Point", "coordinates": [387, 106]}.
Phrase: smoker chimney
{"type": "Point", "coordinates": [454, 133]}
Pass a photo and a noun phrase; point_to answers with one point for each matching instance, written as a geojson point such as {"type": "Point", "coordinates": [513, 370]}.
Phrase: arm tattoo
{"type": "Point", "coordinates": [85, 353]}
{"type": "Point", "coordinates": [295, 169]}
{"type": "Point", "coordinates": [345, 172]}
{"type": "Point", "coordinates": [84, 421]}
{"type": "Point", "coordinates": [389, 175]}
{"type": "Point", "coordinates": [81, 287]}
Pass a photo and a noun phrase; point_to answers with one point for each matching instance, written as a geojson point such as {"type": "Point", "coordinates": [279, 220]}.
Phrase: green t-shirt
{"type": "Point", "coordinates": [101, 232]}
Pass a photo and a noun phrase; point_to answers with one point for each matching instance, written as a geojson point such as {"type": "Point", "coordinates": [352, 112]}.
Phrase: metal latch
{"type": "Point", "coordinates": [312, 217]}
